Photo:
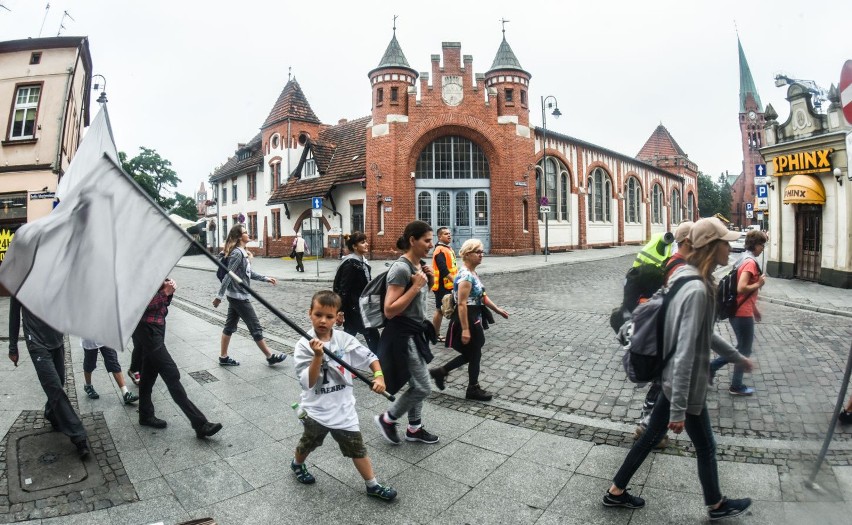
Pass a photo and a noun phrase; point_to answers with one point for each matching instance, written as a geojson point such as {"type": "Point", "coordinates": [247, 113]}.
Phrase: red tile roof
{"type": "Point", "coordinates": [291, 104]}
{"type": "Point", "coordinates": [660, 144]}
{"type": "Point", "coordinates": [340, 155]}
{"type": "Point", "coordinates": [235, 166]}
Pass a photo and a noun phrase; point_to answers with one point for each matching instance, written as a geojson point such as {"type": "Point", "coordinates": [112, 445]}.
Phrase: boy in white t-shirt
{"type": "Point", "coordinates": [327, 392]}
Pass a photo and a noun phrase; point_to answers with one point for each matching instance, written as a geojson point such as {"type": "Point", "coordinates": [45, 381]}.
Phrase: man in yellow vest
{"type": "Point", "coordinates": [444, 268]}
{"type": "Point", "coordinates": [656, 251]}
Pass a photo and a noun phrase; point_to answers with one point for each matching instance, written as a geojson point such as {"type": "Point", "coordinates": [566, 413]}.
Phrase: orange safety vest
{"type": "Point", "coordinates": [450, 257]}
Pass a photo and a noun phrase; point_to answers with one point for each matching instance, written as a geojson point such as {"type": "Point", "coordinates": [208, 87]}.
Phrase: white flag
{"type": "Point", "coordinates": [92, 266]}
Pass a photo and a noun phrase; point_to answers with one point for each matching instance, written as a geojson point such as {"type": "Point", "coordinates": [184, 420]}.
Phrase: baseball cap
{"type": "Point", "coordinates": [682, 231]}
{"type": "Point", "coordinates": [708, 230]}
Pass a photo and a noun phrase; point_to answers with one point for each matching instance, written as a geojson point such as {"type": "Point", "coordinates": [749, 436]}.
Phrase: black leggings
{"type": "Point", "coordinates": [471, 353]}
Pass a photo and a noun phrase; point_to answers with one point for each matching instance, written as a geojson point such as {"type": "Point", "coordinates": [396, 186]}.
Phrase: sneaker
{"type": "Point", "coordinates": [274, 359]}
{"type": "Point", "coordinates": [90, 391]}
{"type": "Point", "coordinates": [439, 376]}
{"type": "Point", "coordinates": [130, 398]}
{"type": "Point", "coordinates": [382, 492]}
{"type": "Point", "coordinates": [729, 508]}
{"type": "Point", "coordinates": [207, 429]}
{"type": "Point", "coordinates": [422, 435]}
{"type": "Point", "coordinates": [152, 421]}
{"type": "Point", "coordinates": [711, 377]}
{"type": "Point", "coordinates": [302, 474]}
{"type": "Point", "coordinates": [625, 499]}
{"type": "Point", "coordinates": [741, 390]}
{"type": "Point", "coordinates": [82, 449]}
{"type": "Point", "coordinates": [134, 376]}
{"type": "Point", "coordinates": [476, 393]}
{"type": "Point", "coordinates": [228, 361]}
{"type": "Point", "coordinates": [845, 417]}
{"type": "Point", "coordinates": [387, 430]}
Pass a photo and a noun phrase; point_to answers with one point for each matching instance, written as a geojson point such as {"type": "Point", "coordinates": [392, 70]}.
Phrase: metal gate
{"type": "Point", "coordinates": [465, 211]}
{"type": "Point", "coordinates": [808, 241]}
{"type": "Point", "coordinates": [313, 235]}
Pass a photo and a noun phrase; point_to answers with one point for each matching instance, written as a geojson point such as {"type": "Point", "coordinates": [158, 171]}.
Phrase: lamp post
{"type": "Point", "coordinates": [546, 102]}
{"type": "Point", "coordinates": [103, 98]}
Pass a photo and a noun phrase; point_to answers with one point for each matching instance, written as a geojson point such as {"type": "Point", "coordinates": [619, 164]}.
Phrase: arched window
{"type": "Point", "coordinates": [548, 197]}
{"type": "Point", "coordinates": [633, 199]}
{"type": "Point", "coordinates": [676, 207]}
{"type": "Point", "coordinates": [690, 206]}
{"type": "Point", "coordinates": [424, 207]}
{"type": "Point", "coordinates": [657, 204]}
{"type": "Point", "coordinates": [599, 193]}
{"type": "Point", "coordinates": [563, 197]}
{"type": "Point", "coordinates": [452, 158]}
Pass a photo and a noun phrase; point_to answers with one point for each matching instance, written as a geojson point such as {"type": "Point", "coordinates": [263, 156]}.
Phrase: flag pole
{"type": "Point", "coordinates": [298, 329]}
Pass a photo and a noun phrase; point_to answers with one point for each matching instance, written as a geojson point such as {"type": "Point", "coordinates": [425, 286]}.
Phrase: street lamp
{"type": "Point", "coordinates": [546, 102]}
{"type": "Point", "coordinates": [103, 98]}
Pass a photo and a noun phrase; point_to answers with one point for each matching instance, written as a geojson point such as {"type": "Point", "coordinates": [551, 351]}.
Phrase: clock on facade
{"type": "Point", "coordinates": [452, 91]}
{"type": "Point", "coordinates": [752, 115]}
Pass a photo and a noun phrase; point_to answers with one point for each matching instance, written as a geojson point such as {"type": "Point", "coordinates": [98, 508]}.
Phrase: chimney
{"type": "Point", "coordinates": [342, 121]}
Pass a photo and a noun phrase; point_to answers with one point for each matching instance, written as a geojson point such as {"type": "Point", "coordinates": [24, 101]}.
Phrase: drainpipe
{"type": "Point", "coordinates": [57, 165]}
{"type": "Point", "coordinates": [288, 149]}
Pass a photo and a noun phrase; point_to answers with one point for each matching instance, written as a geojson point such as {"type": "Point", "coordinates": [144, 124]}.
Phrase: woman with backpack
{"type": "Point", "coordinates": [352, 277]}
{"type": "Point", "coordinates": [239, 307]}
{"type": "Point", "coordinates": [404, 347]}
{"type": "Point", "coordinates": [466, 332]}
{"type": "Point", "coordinates": [687, 336]}
{"type": "Point", "coordinates": [749, 281]}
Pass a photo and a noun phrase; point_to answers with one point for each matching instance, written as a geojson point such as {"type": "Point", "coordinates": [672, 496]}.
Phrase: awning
{"type": "Point", "coordinates": [804, 189]}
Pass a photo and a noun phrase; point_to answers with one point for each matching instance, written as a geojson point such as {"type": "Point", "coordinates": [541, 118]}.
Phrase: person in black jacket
{"type": "Point", "coordinates": [47, 351]}
{"type": "Point", "coordinates": [352, 277]}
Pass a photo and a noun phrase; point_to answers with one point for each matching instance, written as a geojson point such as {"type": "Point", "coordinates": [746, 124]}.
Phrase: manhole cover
{"type": "Point", "coordinates": [47, 461]}
{"type": "Point", "coordinates": [203, 376]}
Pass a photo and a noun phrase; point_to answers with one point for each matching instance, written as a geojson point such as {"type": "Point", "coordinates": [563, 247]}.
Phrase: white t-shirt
{"type": "Point", "coordinates": [331, 401]}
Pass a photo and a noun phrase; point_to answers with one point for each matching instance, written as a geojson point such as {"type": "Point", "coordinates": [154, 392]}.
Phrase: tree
{"type": "Point", "coordinates": [725, 196]}
{"type": "Point", "coordinates": [185, 207]}
{"type": "Point", "coordinates": [153, 173]}
{"type": "Point", "coordinates": [708, 196]}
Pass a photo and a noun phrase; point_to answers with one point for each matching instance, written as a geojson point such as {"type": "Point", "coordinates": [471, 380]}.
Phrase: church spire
{"type": "Point", "coordinates": [747, 86]}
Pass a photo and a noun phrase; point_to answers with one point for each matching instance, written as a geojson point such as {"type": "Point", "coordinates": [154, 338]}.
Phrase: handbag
{"type": "Point", "coordinates": [293, 253]}
{"type": "Point", "coordinates": [448, 306]}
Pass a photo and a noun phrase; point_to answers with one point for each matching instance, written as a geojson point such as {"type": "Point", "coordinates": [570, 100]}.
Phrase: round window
{"type": "Point", "coordinates": [274, 141]}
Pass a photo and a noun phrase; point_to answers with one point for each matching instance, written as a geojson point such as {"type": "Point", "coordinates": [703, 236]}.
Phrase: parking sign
{"type": "Point", "coordinates": [749, 206]}
{"type": "Point", "coordinates": [762, 192]}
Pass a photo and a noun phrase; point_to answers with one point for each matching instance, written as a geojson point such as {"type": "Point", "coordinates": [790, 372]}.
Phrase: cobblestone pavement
{"type": "Point", "coordinates": [557, 352]}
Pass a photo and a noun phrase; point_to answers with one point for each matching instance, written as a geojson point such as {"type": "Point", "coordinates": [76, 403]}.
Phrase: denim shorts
{"type": "Point", "coordinates": [351, 443]}
{"type": "Point", "coordinates": [242, 309]}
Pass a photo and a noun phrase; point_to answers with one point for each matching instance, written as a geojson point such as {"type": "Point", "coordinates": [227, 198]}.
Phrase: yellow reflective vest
{"type": "Point", "coordinates": [655, 252]}
{"type": "Point", "coordinates": [450, 258]}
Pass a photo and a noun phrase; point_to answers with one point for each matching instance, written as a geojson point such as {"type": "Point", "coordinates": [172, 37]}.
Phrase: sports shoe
{"type": "Point", "coordinates": [302, 474]}
{"type": "Point", "coordinates": [90, 391]}
{"type": "Point", "coordinates": [130, 398]}
{"type": "Point", "coordinates": [741, 390]}
{"type": "Point", "coordinates": [134, 376]}
{"type": "Point", "coordinates": [154, 422]}
{"type": "Point", "coordinates": [382, 492]}
{"type": "Point", "coordinates": [422, 435]}
{"type": "Point", "coordinates": [845, 417]}
{"type": "Point", "coordinates": [274, 359]}
{"type": "Point", "coordinates": [439, 376]}
{"type": "Point", "coordinates": [82, 449]}
{"type": "Point", "coordinates": [729, 508]}
{"type": "Point", "coordinates": [387, 430]}
{"type": "Point", "coordinates": [207, 429]}
{"type": "Point", "coordinates": [228, 361]}
{"type": "Point", "coordinates": [625, 499]}
{"type": "Point", "coordinates": [476, 393]}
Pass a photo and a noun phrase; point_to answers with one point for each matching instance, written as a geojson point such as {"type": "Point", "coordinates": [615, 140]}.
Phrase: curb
{"type": "Point", "coordinates": [809, 307]}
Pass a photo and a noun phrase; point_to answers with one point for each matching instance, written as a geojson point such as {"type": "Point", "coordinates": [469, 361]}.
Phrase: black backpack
{"type": "Point", "coordinates": [640, 282]}
{"type": "Point", "coordinates": [220, 271]}
{"type": "Point", "coordinates": [726, 293]}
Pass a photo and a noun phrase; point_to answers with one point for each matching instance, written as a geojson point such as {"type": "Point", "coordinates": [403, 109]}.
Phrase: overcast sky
{"type": "Point", "coordinates": [191, 79]}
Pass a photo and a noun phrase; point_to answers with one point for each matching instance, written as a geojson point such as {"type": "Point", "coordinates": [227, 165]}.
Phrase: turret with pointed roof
{"type": "Point", "coordinates": [509, 82]}
{"type": "Point", "coordinates": [393, 58]}
{"type": "Point", "coordinates": [747, 87]}
{"type": "Point", "coordinates": [291, 104]}
{"type": "Point", "coordinates": [505, 59]}
{"type": "Point", "coordinates": [391, 81]}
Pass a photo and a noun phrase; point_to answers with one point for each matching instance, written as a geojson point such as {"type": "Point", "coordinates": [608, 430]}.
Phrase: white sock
{"type": "Point", "coordinates": [414, 428]}
{"type": "Point", "coordinates": [124, 390]}
{"type": "Point", "coordinates": [371, 483]}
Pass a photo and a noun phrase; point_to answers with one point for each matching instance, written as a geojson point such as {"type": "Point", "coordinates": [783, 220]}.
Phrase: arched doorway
{"type": "Point", "coordinates": [453, 189]}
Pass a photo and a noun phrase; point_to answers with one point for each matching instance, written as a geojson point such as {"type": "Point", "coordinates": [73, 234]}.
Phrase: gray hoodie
{"type": "Point", "coordinates": [689, 332]}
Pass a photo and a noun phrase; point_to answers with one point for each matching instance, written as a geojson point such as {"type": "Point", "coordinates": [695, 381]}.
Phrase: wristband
{"type": "Point", "coordinates": [378, 373]}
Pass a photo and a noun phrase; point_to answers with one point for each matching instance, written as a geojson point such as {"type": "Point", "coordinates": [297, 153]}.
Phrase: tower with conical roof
{"type": "Point", "coordinates": [510, 83]}
{"type": "Point", "coordinates": [391, 82]}
{"type": "Point", "coordinates": [751, 122]}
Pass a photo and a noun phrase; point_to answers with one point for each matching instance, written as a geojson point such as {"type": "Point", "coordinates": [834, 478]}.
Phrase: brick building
{"type": "Point", "coordinates": [453, 148]}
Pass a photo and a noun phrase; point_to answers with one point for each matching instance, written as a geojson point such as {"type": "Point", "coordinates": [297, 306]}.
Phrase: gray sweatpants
{"type": "Point", "coordinates": [419, 387]}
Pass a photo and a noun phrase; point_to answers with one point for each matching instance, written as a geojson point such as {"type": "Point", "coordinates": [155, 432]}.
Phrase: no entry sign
{"type": "Point", "coordinates": [846, 90]}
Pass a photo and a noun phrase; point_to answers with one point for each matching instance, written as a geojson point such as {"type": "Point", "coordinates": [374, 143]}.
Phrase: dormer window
{"type": "Point", "coordinates": [309, 170]}
{"type": "Point", "coordinates": [243, 155]}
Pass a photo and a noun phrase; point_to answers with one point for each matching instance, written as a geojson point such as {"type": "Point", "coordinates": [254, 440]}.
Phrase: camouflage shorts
{"type": "Point", "coordinates": [351, 443]}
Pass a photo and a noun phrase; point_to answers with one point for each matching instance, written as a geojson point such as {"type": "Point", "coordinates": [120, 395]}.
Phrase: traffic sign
{"type": "Point", "coordinates": [761, 181]}
{"type": "Point", "coordinates": [846, 90]}
{"type": "Point", "coordinates": [544, 209]}
{"type": "Point", "coordinates": [762, 192]}
{"type": "Point", "coordinates": [749, 214]}
{"type": "Point", "coordinates": [749, 206]}
{"type": "Point", "coordinates": [760, 215]}
{"type": "Point", "coordinates": [316, 213]}
{"type": "Point", "coordinates": [760, 170]}
{"type": "Point", "coordinates": [316, 203]}
{"type": "Point", "coordinates": [762, 203]}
